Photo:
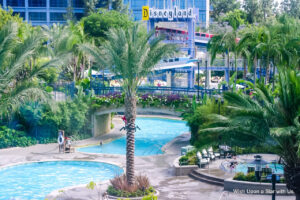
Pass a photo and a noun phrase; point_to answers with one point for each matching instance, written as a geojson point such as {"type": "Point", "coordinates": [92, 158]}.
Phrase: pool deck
{"type": "Point", "coordinates": [158, 168]}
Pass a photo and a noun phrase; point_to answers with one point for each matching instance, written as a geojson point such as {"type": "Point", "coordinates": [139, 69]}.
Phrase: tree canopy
{"type": "Point", "coordinates": [97, 25]}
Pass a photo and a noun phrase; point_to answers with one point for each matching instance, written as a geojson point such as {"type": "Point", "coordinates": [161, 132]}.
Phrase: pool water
{"type": "Point", "coordinates": [33, 181]}
{"type": "Point", "coordinates": [154, 134]}
{"type": "Point", "coordinates": [276, 168]}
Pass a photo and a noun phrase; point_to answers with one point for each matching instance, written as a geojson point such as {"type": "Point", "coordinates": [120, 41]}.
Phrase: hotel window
{"type": "Point", "coordinates": [78, 3]}
{"type": "Point", "coordinates": [37, 16]}
{"type": "Point", "coordinates": [15, 3]}
{"type": "Point", "coordinates": [59, 3]}
{"type": "Point", "coordinates": [57, 16]}
{"type": "Point", "coordinates": [37, 3]}
{"type": "Point", "coordinates": [78, 15]}
{"type": "Point", "coordinates": [21, 14]}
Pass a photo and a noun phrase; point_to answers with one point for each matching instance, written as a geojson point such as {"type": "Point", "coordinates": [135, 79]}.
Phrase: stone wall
{"type": "Point", "coordinates": [183, 170]}
{"type": "Point", "coordinates": [101, 124]}
{"type": "Point", "coordinates": [245, 187]}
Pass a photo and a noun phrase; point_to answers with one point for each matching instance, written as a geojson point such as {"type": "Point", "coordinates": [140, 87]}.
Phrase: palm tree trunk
{"type": "Point", "coordinates": [273, 78]}
{"type": "Point", "coordinates": [267, 71]}
{"type": "Point", "coordinates": [292, 177]}
{"type": "Point", "coordinates": [297, 196]}
{"type": "Point", "coordinates": [228, 65]}
{"type": "Point", "coordinates": [245, 68]}
{"type": "Point", "coordinates": [130, 114]}
{"type": "Point", "coordinates": [235, 67]}
{"type": "Point", "coordinates": [255, 66]}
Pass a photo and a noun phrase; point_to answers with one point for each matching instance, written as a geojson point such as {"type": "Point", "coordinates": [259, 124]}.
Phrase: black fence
{"type": "Point", "coordinates": [190, 92]}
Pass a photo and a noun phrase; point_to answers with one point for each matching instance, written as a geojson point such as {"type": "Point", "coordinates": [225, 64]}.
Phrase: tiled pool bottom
{"type": "Point", "coordinates": [154, 134]}
{"type": "Point", "coordinates": [33, 181]}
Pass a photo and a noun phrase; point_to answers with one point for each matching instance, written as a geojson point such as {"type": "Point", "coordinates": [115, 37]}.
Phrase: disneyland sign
{"type": "Point", "coordinates": [169, 14]}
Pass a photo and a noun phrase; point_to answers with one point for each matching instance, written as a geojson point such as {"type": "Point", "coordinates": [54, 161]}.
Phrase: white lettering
{"type": "Point", "coordinates": [171, 14]}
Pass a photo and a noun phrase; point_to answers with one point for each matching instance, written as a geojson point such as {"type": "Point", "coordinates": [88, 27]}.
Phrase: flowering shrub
{"type": "Point", "coordinates": [145, 100]}
{"type": "Point", "coordinates": [111, 99]}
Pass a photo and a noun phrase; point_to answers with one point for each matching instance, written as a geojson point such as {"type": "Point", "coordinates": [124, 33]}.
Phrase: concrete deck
{"type": "Point", "coordinates": [157, 168]}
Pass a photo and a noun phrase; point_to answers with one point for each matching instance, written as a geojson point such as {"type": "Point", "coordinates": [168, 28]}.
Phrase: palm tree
{"type": "Point", "coordinates": [65, 39]}
{"type": "Point", "coordinates": [270, 47]}
{"type": "Point", "coordinates": [131, 54]}
{"type": "Point", "coordinates": [249, 45]}
{"type": "Point", "coordinates": [265, 119]}
{"type": "Point", "coordinates": [21, 65]}
{"type": "Point", "coordinates": [224, 43]}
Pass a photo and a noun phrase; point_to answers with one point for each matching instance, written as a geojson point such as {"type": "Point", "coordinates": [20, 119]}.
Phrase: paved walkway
{"type": "Point", "coordinates": [157, 168]}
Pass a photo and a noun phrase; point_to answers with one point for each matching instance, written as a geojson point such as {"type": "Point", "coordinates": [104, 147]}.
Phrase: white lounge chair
{"type": "Point", "coordinates": [206, 155]}
{"type": "Point", "coordinates": [216, 154]}
{"type": "Point", "coordinates": [201, 161]}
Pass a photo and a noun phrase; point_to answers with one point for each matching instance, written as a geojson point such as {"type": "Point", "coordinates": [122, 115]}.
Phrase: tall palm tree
{"type": "Point", "coordinates": [249, 44]}
{"type": "Point", "coordinates": [266, 119]}
{"type": "Point", "coordinates": [131, 54]}
{"type": "Point", "coordinates": [224, 43]}
{"type": "Point", "coordinates": [270, 47]}
{"type": "Point", "coordinates": [20, 67]}
{"type": "Point", "coordinates": [64, 39]}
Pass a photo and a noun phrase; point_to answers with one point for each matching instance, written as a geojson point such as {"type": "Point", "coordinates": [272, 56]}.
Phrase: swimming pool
{"type": "Point", "coordinates": [154, 134]}
{"type": "Point", "coordinates": [33, 181]}
{"type": "Point", "coordinates": [243, 167]}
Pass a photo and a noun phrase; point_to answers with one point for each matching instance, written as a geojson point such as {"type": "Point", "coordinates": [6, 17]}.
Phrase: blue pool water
{"type": "Point", "coordinates": [34, 181]}
{"type": "Point", "coordinates": [154, 134]}
{"type": "Point", "coordinates": [276, 168]}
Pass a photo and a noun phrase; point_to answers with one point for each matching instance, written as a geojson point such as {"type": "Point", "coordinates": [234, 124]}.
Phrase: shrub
{"type": "Point", "coordinates": [251, 177]}
{"type": "Point", "coordinates": [119, 187]}
{"type": "Point", "coordinates": [183, 160]}
{"type": "Point", "coordinates": [189, 159]}
{"type": "Point", "coordinates": [240, 176]}
{"type": "Point", "coordinates": [12, 138]}
{"type": "Point", "coordinates": [150, 197]}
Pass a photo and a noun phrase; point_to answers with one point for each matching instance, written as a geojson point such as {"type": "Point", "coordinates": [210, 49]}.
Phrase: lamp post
{"type": "Point", "coordinates": [206, 75]}
{"type": "Point", "coordinates": [273, 186]}
{"type": "Point", "coordinates": [258, 167]}
{"type": "Point", "coordinates": [198, 81]}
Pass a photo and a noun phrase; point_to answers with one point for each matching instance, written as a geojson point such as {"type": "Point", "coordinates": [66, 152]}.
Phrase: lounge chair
{"type": "Point", "coordinates": [250, 169]}
{"type": "Point", "coordinates": [201, 161]}
{"type": "Point", "coordinates": [266, 171]}
{"type": "Point", "coordinates": [207, 155]}
{"type": "Point", "coordinates": [68, 146]}
{"type": "Point", "coordinates": [216, 154]}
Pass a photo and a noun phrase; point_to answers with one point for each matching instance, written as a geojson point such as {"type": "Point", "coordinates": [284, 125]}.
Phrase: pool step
{"type": "Point", "coordinates": [200, 176]}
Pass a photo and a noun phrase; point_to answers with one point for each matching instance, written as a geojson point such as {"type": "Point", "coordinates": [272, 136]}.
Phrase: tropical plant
{"type": "Point", "coordinates": [249, 44]}
{"type": "Point", "coordinates": [264, 119]}
{"type": "Point", "coordinates": [269, 46]}
{"type": "Point", "coordinates": [131, 54]}
{"type": "Point", "coordinates": [21, 65]}
{"type": "Point", "coordinates": [66, 39]}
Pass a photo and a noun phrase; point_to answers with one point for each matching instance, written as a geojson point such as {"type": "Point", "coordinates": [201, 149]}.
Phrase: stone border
{"type": "Point", "coordinates": [183, 170]}
{"type": "Point", "coordinates": [245, 187]}
{"type": "Point", "coordinates": [132, 198]}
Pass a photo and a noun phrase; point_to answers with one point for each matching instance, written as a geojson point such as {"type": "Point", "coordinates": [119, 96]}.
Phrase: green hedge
{"type": "Point", "coordinates": [240, 176]}
{"type": "Point", "coordinates": [189, 159]}
{"type": "Point", "coordinates": [12, 138]}
{"type": "Point", "coordinates": [139, 193]}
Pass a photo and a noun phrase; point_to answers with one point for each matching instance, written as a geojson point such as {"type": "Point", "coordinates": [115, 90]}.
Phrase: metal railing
{"type": "Point", "coordinates": [189, 92]}
{"type": "Point", "coordinates": [217, 63]}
